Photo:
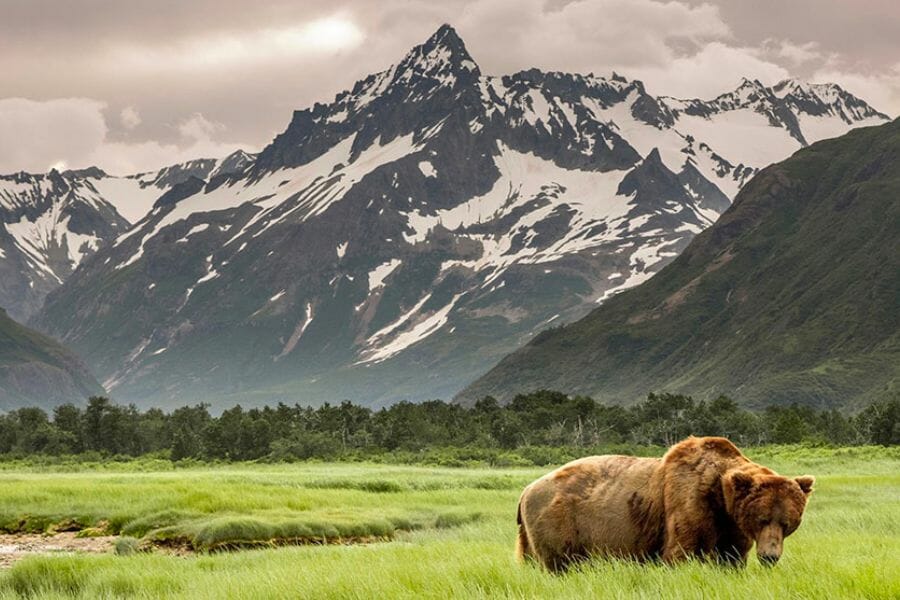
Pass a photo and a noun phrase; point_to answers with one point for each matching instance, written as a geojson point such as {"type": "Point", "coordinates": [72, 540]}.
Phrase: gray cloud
{"type": "Point", "coordinates": [139, 84]}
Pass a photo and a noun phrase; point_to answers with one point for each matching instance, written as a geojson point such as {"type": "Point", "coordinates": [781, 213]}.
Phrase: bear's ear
{"type": "Point", "coordinates": [806, 483]}
{"type": "Point", "coordinates": [741, 483]}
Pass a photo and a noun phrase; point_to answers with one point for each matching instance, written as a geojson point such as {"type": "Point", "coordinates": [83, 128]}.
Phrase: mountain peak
{"type": "Point", "coordinates": [443, 56]}
{"type": "Point", "coordinates": [239, 153]}
{"type": "Point", "coordinates": [749, 90]}
{"type": "Point", "coordinates": [799, 87]}
{"type": "Point", "coordinates": [446, 37]}
{"type": "Point", "coordinates": [654, 156]}
{"type": "Point", "coordinates": [818, 97]}
{"type": "Point", "coordinates": [445, 32]}
{"type": "Point", "coordinates": [751, 85]}
{"type": "Point", "coordinates": [90, 172]}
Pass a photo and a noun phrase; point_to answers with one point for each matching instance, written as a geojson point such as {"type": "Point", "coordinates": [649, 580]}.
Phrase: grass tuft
{"type": "Point", "coordinates": [380, 486]}
{"type": "Point", "coordinates": [43, 576]}
{"type": "Point", "coordinates": [126, 546]}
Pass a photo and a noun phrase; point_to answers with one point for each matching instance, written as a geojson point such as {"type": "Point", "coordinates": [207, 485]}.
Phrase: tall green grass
{"type": "Point", "coordinates": [448, 533]}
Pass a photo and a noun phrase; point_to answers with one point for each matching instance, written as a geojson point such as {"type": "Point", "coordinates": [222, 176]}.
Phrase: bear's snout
{"type": "Point", "coordinates": [769, 544]}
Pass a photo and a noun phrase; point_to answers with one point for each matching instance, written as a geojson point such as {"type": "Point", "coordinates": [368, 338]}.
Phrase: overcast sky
{"type": "Point", "coordinates": [132, 85]}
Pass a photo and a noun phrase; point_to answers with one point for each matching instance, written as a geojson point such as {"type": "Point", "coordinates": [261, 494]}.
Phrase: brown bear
{"type": "Point", "coordinates": [703, 499]}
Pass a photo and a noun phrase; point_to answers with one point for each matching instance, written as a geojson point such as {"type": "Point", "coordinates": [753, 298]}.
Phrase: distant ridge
{"type": "Point", "coordinates": [37, 371]}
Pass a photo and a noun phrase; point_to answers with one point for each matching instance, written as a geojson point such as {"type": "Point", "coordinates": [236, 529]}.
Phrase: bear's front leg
{"type": "Point", "coordinates": [686, 538]}
{"type": "Point", "coordinates": [732, 549]}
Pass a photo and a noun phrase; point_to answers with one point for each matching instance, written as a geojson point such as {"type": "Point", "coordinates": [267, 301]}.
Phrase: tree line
{"type": "Point", "coordinates": [530, 422]}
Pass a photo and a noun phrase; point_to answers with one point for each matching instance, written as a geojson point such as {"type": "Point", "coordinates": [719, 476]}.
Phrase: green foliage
{"type": "Point", "coordinates": [882, 422]}
{"type": "Point", "coordinates": [541, 428]}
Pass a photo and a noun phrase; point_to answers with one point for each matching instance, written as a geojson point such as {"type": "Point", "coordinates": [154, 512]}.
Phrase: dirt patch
{"type": "Point", "coordinates": [183, 547]}
{"type": "Point", "coordinates": [14, 547]}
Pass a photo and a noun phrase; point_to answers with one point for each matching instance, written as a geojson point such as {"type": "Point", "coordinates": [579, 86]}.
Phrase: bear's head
{"type": "Point", "coordinates": [766, 508]}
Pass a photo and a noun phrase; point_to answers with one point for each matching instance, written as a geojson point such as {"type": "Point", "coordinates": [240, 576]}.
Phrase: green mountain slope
{"type": "Point", "coordinates": [35, 370]}
{"type": "Point", "coordinates": [792, 296]}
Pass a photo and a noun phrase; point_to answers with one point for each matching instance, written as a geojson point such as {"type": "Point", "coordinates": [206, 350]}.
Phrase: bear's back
{"type": "Point", "coordinates": [601, 504]}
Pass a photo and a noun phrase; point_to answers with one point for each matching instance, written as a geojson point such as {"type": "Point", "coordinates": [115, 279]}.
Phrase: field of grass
{"type": "Point", "coordinates": [426, 533]}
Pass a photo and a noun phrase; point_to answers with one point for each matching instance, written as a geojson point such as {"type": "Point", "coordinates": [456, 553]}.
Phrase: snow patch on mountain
{"type": "Point", "coordinates": [195, 229]}
{"type": "Point", "coordinates": [127, 194]}
{"type": "Point", "coordinates": [643, 136]}
{"type": "Point", "coordinates": [427, 169]}
{"type": "Point", "coordinates": [381, 272]}
{"type": "Point", "coordinates": [741, 136]}
{"type": "Point", "coordinates": [297, 333]}
{"type": "Point", "coordinates": [418, 332]}
{"type": "Point", "coordinates": [36, 239]}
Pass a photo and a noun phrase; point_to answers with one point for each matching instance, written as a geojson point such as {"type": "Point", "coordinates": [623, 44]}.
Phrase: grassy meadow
{"type": "Point", "coordinates": [386, 531]}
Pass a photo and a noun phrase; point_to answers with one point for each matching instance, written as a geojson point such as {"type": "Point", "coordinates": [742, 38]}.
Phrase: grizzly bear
{"type": "Point", "coordinates": [703, 499]}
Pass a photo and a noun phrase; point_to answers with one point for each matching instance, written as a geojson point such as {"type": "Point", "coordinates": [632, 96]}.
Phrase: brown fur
{"type": "Point", "coordinates": [704, 498]}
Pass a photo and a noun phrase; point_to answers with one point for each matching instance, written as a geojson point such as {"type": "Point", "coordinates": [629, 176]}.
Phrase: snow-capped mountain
{"type": "Point", "coordinates": [50, 222]}
{"type": "Point", "coordinates": [396, 242]}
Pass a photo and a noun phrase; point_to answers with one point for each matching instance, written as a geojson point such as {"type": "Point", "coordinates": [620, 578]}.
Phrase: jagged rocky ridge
{"type": "Point", "coordinates": [50, 222]}
{"type": "Point", "coordinates": [398, 241]}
